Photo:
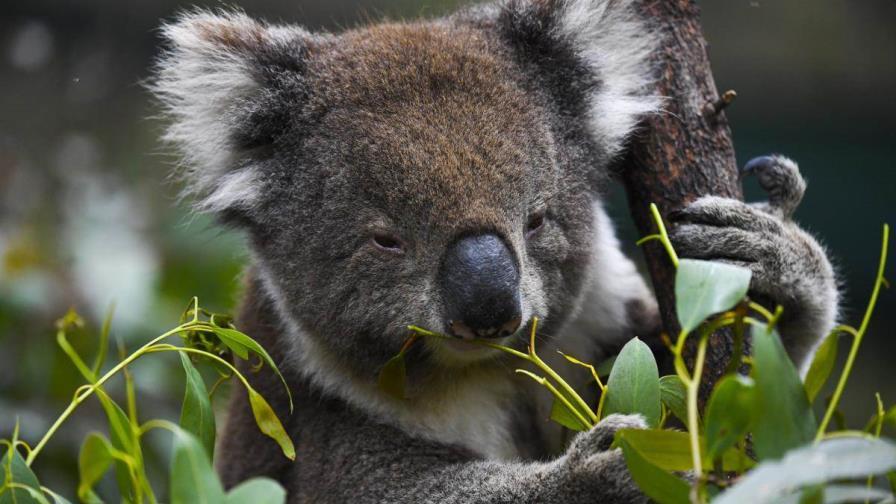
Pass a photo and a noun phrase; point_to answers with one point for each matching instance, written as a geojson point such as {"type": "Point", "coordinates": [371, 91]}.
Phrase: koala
{"type": "Point", "coordinates": [449, 174]}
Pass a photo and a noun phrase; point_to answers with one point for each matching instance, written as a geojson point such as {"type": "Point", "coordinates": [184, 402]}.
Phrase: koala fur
{"type": "Point", "coordinates": [353, 160]}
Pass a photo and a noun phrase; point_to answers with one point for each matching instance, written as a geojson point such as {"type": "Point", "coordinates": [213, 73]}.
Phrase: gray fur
{"type": "Point", "coordinates": [428, 131]}
{"type": "Point", "coordinates": [789, 266]}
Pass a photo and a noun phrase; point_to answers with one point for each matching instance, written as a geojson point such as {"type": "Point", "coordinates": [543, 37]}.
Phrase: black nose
{"type": "Point", "coordinates": [479, 280]}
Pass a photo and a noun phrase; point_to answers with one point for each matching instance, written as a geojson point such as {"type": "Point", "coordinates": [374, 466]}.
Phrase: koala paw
{"type": "Point", "coordinates": [789, 266]}
{"type": "Point", "coordinates": [599, 439]}
{"type": "Point", "coordinates": [591, 463]}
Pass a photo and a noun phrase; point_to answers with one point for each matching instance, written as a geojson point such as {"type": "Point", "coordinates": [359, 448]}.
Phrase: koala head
{"type": "Point", "coordinates": [438, 173]}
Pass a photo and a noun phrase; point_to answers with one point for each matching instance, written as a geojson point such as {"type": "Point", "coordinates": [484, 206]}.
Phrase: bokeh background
{"type": "Point", "coordinates": [87, 217]}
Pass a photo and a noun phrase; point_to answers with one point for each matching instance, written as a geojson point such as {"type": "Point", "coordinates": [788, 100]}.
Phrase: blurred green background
{"type": "Point", "coordinates": [87, 217]}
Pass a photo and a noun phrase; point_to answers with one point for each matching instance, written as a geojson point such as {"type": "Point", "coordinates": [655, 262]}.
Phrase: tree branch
{"type": "Point", "coordinates": [682, 154]}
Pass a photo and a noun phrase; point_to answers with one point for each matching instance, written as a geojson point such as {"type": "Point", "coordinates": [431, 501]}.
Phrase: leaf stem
{"type": "Point", "coordinates": [90, 389]}
{"type": "Point", "coordinates": [693, 413]}
{"type": "Point", "coordinates": [857, 338]}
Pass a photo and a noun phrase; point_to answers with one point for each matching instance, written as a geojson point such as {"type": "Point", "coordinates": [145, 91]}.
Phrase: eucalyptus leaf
{"type": "Point", "coordinates": [671, 450]}
{"type": "Point", "coordinates": [192, 479]}
{"type": "Point", "coordinates": [729, 413]}
{"type": "Point", "coordinates": [822, 365]}
{"type": "Point", "coordinates": [58, 499]}
{"type": "Point", "coordinates": [842, 494]}
{"type": "Point", "coordinates": [656, 483]}
{"type": "Point", "coordinates": [14, 470]}
{"type": "Point", "coordinates": [257, 491]}
{"type": "Point", "coordinates": [605, 367]}
{"type": "Point", "coordinates": [196, 415]}
{"type": "Point", "coordinates": [393, 376]}
{"type": "Point", "coordinates": [837, 459]}
{"type": "Point", "coordinates": [784, 418]}
{"type": "Point", "coordinates": [269, 424]}
{"type": "Point", "coordinates": [674, 395]}
{"type": "Point", "coordinates": [125, 440]}
{"type": "Point", "coordinates": [561, 414]}
{"type": "Point", "coordinates": [634, 384]}
{"type": "Point", "coordinates": [93, 462]}
{"type": "Point", "coordinates": [239, 343]}
{"type": "Point", "coordinates": [703, 288]}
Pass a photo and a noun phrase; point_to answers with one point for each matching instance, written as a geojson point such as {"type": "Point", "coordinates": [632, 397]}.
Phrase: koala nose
{"type": "Point", "coordinates": [479, 280]}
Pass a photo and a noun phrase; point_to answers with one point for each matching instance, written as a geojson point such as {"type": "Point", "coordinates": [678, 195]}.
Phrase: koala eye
{"type": "Point", "coordinates": [535, 223]}
{"type": "Point", "coordinates": [387, 243]}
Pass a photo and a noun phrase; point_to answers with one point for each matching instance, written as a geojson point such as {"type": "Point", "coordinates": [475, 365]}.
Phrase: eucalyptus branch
{"type": "Point", "coordinates": [858, 335]}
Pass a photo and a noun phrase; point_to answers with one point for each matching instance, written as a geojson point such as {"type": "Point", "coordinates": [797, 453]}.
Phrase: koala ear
{"type": "Point", "coordinates": [221, 83]}
{"type": "Point", "coordinates": [593, 56]}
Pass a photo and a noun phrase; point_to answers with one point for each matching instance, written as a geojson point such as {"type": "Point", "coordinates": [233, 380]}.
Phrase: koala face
{"type": "Point", "coordinates": [426, 174]}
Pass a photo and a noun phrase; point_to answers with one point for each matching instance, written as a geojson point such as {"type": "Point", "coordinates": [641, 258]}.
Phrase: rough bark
{"type": "Point", "coordinates": [682, 154]}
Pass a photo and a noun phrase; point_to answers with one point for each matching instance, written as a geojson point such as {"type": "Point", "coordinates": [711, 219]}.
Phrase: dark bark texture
{"type": "Point", "coordinates": [682, 154]}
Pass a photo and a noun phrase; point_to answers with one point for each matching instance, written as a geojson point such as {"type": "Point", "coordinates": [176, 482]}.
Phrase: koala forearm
{"type": "Point", "coordinates": [495, 482]}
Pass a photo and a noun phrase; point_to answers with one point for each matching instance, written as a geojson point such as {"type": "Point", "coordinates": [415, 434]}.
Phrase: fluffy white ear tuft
{"type": "Point", "coordinates": [205, 82]}
{"type": "Point", "coordinates": [616, 44]}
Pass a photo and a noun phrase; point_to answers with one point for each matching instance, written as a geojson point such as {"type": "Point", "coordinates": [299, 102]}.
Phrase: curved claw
{"type": "Point", "coordinates": [780, 178]}
{"type": "Point", "coordinates": [757, 163]}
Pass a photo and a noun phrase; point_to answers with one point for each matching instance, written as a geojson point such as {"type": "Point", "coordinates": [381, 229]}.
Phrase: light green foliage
{"type": "Point", "coordinates": [93, 461]}
{"type": "Point", "coordinates": [257, 491]}
{"type": "Point", "coordinates": [196, 415]}
{"type": "Point", "coordinates": [822, 365]}
{"type": "Point", "coordinates": [658, 484]}
{"type": "Point", "coordinates": [703, 288]}
{"type": "Point", "coordinates": [634, 384]}
{"type": "Point", "coordinates": [830, 460]}
{"type": "Point", "coordinates": [192, 478]}
{"type": "Point", "coordinates": [20, 485]}
{"type": "Point", "coordinates": [673, 395]}
{"type": "Point", "coordinates": [729, 414]}
{"type": "Point", "coordinates": [209, 338]}
{"type": "Point", "coordinates": [784, 419]}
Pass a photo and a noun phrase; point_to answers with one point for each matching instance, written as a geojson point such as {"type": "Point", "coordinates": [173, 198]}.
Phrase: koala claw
{"type": "Point", "coordinates": [780, 178]}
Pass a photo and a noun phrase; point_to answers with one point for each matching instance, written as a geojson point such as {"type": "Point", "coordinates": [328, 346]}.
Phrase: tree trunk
{"type": "Point", "coordinates": [682, 154]}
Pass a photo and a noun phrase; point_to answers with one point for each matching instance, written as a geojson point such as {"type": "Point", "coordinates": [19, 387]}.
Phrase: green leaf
{"type": "Point", "coordinates": [257, 491]}
{"type": "Point", "coordinates": [703, 288]}
{"type": "Point", "coordinates": [822, 365]}
{"type": "Point", "coordinates": [674, 395]}
{"type": "Point", "coordinates": [233, 342]}
{"type": "Point", "coordinates": [671, 450]}
{"type": "Point", "coordinates": [836, 494]}
{"type": "Point", "coordinates": [196, 415]}
{"type": "Point", "coordinates": [104, 340]}
{"type": "Point", "coordinates": [393, 376]}
{"type": "Point", "coordinates": [656, 483]}
{"type": "Point", "coordinates": [891, 477]}
{"type": "Point", "coordinates": [269, 424]}
{"type": "Point", "coordinates": [729, 413]}
{"type": "Point", "coordinates": [123, 439]}
{"type": "Point", "coordinates": [784, 418]}
{"type": "Point", "coordinates": [561, 414]}
{"type": "Point", "coordinates": [830, 460]}
{"type": "Point", "coordinates": [58, 499]}
{"type": "Point", "coordinates": [239, 343]}
{"type": "Point", "coordinates": [15, 470]}
{"type": "Point", "coordinates": [93, 462]}
{"type": "Point", "coordinates": [605, 367]}
{"type": "Point", "coordinates": [192, 479]}
{"type": "Point", "coordinates": [634, 384]}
